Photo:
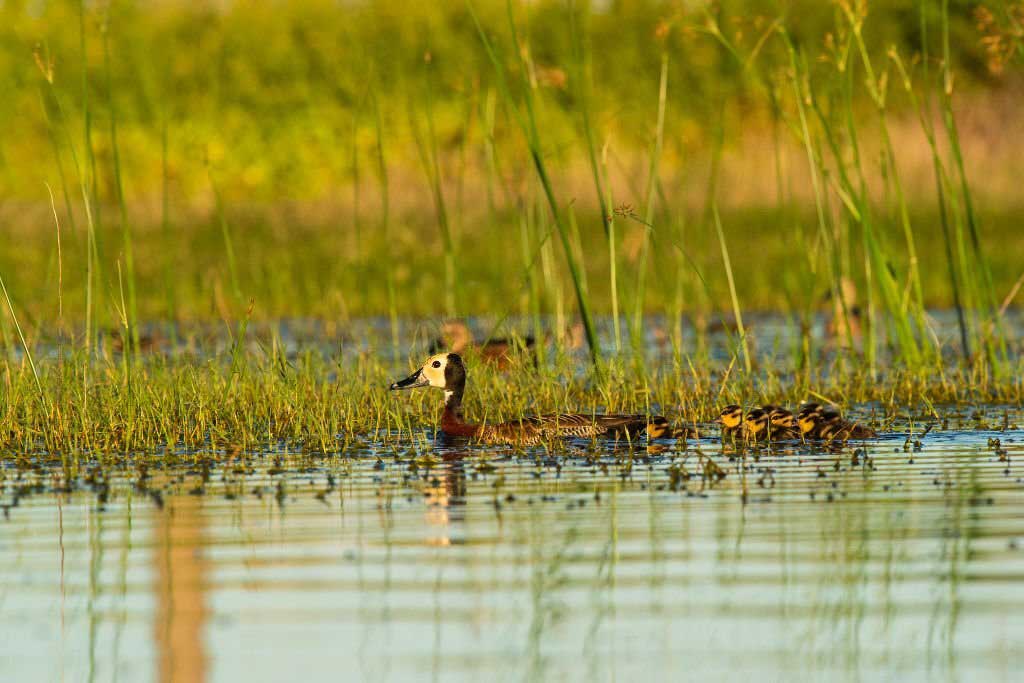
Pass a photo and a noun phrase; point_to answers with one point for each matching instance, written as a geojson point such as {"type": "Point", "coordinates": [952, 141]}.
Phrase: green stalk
{"type": "Point", "coordinates": [940, 184]}
{"type": "Point", "coordinates": [732, 285]}
{"type": "Point", "coordinates": [131, 319]}
{"type": "Point", "coordinates": [583, 80]}
{"type": "Point", "coordinates": [987, 295]}
{"type": "Point", "coordinates": [652, 186]}
{"type": "Point", "coordinates": [428, 153]}
{"type": "Point", "coordinates": [613, 258]}
{"type": "Point", "coordinates": [385, 213]}
{"type": "Point", "coordinates": [534, 306]}
{"type": "Point", "coordinates": [165, 223]}
{"type": "Point", "coordinates": [24, 345]}
{"type": "Point", "coordinates": [528, 125]}
{"type": "Point", "coordinates": [225, 232]}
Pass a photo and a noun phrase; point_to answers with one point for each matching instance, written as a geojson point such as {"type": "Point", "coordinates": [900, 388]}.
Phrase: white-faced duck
{"type": "Point", "coordinates": [448, 372]}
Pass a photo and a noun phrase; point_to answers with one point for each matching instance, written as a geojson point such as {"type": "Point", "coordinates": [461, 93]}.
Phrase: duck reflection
{"type": "Point", "coordinates": [445, 495]}
{"type": "Point", "coordinates": [181, 576]}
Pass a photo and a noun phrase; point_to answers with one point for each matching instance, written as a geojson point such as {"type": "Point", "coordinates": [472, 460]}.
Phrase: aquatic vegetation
{"type": "Point", "coordinates": [324, 394]}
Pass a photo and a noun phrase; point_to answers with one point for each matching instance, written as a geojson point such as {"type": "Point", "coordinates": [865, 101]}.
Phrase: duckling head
{"type": "Point", "coordinates": [444, 371]}
{"type": "Point", "coordinates": [808, 408]}
{"type": "Point", "coordinates": [731, 416]}
{"type": "Point", "coordinates": [807, 421]}
{"type": "Point", "coordinates": [780, 417]}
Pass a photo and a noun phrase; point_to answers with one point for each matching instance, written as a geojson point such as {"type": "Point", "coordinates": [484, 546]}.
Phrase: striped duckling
{"type": "Point", "coordinates": [768, 422]}
{"type": "Point", "coordinates": [731, 419]}
{"type": "Point", "coordinates": [817, 422]}
{"type": "Point", "coordinates": [756, 425]}
{"type": "Point", "coordinates": [448, 372]}
{"type": "Point", "coordinates": [782, 424]}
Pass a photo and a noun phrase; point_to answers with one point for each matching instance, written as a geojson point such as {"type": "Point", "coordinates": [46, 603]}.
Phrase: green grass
{"type": "Point", "coordinates": [328, 405]}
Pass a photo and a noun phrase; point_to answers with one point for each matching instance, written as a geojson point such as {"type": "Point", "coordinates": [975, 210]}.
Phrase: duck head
{"type": "Point", "coordinates": [780, 417]}
{"type": "Point", "coordinates": [444, 371]}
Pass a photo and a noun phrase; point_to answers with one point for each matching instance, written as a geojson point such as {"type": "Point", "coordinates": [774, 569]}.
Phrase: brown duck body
{"type": "Point", "coordinates": [537, 429]}
{"type": "Point", "coordinates": [447, 371]}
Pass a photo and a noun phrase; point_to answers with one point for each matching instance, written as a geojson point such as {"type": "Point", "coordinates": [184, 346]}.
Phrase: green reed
{"type": "Point", "coordinates": [384, 225]}
{"type": "Point", "coordinates": [528, 125]}
{"type": "Point", "coordinates": [649, 205]}
{"type": "Point", "coordinates": [130, 309]}
{"type": "Point", "coordinates": [427, 146]}
{"type": "Point", "coordinates": [582, 79]}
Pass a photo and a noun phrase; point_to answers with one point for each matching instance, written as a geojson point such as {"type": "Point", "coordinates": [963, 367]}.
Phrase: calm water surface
{"type": "Point", "coordinates": [601, 564]}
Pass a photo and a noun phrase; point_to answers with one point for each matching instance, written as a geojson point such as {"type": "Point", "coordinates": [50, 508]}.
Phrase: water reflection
{"type": "Point", "coordinates": [445, 495]}
{"type": "Point", "coordinates": [458, 563]}
{"type": "Point", "coordinates": [181, 575]}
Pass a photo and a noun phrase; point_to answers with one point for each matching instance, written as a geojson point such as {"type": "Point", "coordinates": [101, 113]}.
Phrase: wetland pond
{"type": "Point", "coordinates": [899, 557]}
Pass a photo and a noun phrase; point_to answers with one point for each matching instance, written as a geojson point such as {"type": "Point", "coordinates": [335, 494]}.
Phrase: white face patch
{"type": "Point", "coordinates": [433, 370]}
{"type": "Point", "coordinates": [447, 395]}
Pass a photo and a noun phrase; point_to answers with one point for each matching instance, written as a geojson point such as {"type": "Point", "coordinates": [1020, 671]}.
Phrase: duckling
{"type": "Point", "coordinates": [818, 422]}
{"type": "Point", "coordinates": [807, 419]}
{"type": "Point", "coordinates": [730, 418]}
{"type": "Point", "coordinates": [457, 338]}
{"type": "Point", "coordinates": [782, 423]}
{"type": "Point", "coordinates": [755, 425]}
{"type": "Point", "coordinates": [447, 371]}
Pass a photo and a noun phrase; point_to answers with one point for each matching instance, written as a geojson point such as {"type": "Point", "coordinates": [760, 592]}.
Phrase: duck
{"type": "Point", "coordinates": [782, 423]}
{"type": "Point", "coordinates": [447, 371]}
{"type": "Point", "coordinates": [756, 425]}
{"type": "Point", "coordinates": [826, 423]}
{"type": "Point", "coordinates": [731, 419]}
{"type": "Point", "coordinates": [844, 325]}
{"type": "Point", "coordinates": [456, 337]}
{"type": "Point", "coordinates": [149, 342]}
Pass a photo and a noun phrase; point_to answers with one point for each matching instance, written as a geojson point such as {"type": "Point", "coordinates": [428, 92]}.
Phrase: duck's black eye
{"type": "Point", "coordinates": [436, 363]}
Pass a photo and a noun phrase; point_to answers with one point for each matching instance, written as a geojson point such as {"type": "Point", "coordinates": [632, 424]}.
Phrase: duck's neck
{"type": "Point", "coordinates": [453, 406]}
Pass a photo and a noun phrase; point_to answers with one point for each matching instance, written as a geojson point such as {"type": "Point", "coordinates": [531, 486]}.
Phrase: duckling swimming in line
{"type": "Point", "coordinates": [812, 422]}
{"type": "Point", "coordinates": [447, 371]}
{"type": "Point", "coordinates": [827, 424]}
{"type": "Point", "coordinates": [730, 418]}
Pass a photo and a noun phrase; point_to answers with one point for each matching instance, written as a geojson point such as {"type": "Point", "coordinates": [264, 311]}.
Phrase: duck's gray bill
{"type": "Point", "coordinates": [413, 381]}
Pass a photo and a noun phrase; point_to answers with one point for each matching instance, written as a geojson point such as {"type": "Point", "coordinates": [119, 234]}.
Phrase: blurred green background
{"type": "Point", "coordinates": [311, 157]}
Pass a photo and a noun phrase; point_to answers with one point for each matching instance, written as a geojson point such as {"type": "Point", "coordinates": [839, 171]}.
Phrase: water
{"type": "Point", "coordinates": [895, 562]}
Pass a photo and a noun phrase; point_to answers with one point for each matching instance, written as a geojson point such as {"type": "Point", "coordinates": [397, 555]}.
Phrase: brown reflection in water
{"type": "Point", "coordinates": [446, 502]}
{"type": "Point", "coordinates": [180, 588]}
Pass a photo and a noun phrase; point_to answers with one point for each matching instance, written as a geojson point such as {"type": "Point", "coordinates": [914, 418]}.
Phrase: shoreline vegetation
{"type": "Point", "coordinates": [552, 163]}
